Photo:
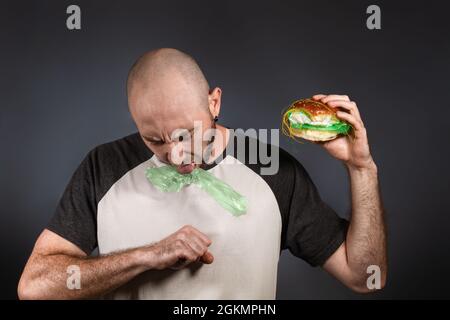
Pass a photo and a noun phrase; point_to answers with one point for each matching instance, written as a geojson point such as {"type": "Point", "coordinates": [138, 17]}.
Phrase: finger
{"type": "Point", "coordinates": [318, 96]}
{"type": "Point", "coordinates": [180, 264]}
{"type": "Point", "coordinates": [193, 240]}
{"type": "Point", "coordinates": [334, 97]}
{"type": "Point", "coordinates": [197, 244]}
{"type": "Point", "coordinates": [202, 236]}
{"type": "Point", "coordinates": [207, 258]}
{"type": "Point", "coordinates": [357, 125]}
{"type": "Point", "coordinates": [347, 105]}
{"type": "Point", "coordinates": [189, 253]}
{"type": "Point", "coordinates": [185, 256]}
{"type": "Point", "coordinates": [190, 230]}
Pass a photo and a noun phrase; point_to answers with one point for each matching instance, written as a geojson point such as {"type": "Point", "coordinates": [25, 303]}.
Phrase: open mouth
{"type": "Point", "coordinates": [186, 168]}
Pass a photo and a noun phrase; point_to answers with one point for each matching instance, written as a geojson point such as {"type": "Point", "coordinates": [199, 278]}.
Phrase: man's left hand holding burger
{"type": "Point", "coordinates": [365, 244]}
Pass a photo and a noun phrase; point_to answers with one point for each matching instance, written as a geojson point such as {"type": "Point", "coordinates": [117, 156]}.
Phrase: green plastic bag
{"type": "Point", "coordinates": [168, 179]}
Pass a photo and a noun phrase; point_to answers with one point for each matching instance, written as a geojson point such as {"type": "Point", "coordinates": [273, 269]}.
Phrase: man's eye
{"type": "Point", "coordinates": [184, 137]}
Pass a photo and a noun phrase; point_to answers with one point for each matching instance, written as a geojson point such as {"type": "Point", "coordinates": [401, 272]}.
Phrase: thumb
{"type": "Point", "coordinates": [207, 258]}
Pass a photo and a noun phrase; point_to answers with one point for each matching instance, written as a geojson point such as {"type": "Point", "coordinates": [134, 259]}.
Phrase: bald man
{"type": "Point", "coordinates": [184, 245]}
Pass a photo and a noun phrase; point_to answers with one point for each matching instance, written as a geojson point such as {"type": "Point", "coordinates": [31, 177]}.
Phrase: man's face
{"type": "Point", "coordinates": [174, 127]}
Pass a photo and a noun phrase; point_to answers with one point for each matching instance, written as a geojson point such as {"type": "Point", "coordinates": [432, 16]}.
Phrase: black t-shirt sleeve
{"type": "Point", "coordinates": [314, 230]}
{"type": "Point", "coordinates": [75, 216]}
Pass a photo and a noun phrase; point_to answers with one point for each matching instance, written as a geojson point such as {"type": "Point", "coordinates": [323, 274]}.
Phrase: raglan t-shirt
{"type": "Point", "coordinates": [109, 204]}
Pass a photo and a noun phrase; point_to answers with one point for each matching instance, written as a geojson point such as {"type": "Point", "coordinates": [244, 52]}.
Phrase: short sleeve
{"type": "Point", "coordinates": [75, 216]}
{"type": "Point", "coordinates": [314, 231]}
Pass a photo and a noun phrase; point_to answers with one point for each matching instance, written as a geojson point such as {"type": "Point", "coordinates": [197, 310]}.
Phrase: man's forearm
{"type": "Point", "coordinates": [98, 276]}
{"type": "Point", "coordinates": [366, 238]}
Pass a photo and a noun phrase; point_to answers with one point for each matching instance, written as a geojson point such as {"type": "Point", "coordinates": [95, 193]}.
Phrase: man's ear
{"type": "Point", "coordinates": [214, 97]}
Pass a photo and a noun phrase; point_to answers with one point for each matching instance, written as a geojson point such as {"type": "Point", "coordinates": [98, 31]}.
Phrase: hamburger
{"type": "Point", "coordinates": [313, 120]}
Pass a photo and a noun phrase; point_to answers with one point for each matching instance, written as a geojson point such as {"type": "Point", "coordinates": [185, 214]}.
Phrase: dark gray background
{"type": "Point", "coordinates": [62, 93]}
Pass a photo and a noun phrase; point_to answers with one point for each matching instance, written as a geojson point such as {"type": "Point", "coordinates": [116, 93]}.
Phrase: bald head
{"type": "Point", "coordinates": [167, 92]}
{"type": "Point", "coordinates": [164, 78]}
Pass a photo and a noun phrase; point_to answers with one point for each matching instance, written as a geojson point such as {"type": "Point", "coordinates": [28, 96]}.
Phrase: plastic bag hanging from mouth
{"type": "Point", "coordinates": [168, 179]}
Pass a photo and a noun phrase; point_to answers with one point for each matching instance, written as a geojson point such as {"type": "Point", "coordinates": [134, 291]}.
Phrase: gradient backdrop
{"type": "Point", "coordinates": [63, 92]}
